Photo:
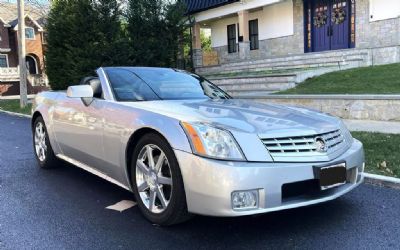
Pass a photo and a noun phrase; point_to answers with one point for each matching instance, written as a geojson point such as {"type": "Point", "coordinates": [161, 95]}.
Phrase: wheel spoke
{"type": "Point", "coordinates": [150, 159]}
{"type": "Point", "coordinates": [140, 164]}
{"type": "Point", "coordinates": [152, 200]}
{"type": "Point", "coordinates": [165, 180]}
{"type": "Point", "coordinates": [160, 162]}
{"type": "Point", "coordinates": [142, 187]}
{"type": "Point", "coordinates": [38, 133]}
{"type": "Point", "coordinates": [160, 196]}
{"type": "Point", "coordinates": [42, 153]}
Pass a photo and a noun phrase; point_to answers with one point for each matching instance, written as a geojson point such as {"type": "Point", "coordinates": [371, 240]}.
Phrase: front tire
{"type": "Point", "coordinates": [41, 145]}
{"type": "Point", "coordinates": [157, 181]}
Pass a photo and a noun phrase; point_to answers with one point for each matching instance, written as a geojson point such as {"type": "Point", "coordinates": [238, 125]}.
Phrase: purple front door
{"type": "Point", "coordinates": [330, 24]}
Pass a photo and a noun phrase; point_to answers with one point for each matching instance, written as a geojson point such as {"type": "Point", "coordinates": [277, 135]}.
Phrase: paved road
{"type": "Point", "coordinates": [64, 208]}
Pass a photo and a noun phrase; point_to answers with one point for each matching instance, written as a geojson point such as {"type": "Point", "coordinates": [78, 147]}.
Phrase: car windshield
{"type": "Point", "coordinates": [146, 84]}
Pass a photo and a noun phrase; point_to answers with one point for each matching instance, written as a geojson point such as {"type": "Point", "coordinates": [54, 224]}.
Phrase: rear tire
{"type": "Point", "coordinates": [157, 182]}
{"type": "Point", "coordinates": [41, 145]}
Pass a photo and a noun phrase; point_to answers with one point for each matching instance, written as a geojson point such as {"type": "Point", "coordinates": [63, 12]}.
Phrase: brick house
{"type": "Point", "coordinates": [268, 35]}
{"type": "Point", "coordinates": [35, 47]}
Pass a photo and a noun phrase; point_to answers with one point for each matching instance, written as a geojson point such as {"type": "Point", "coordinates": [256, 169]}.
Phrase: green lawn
{"type": "Point", "coordinates": [382, 152]}
{"type": "Point", "coordinates": [13, 106]}
{"type": "Point", "coordinates": [368, 80]}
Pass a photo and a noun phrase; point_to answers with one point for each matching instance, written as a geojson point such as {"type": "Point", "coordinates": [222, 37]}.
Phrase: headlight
{"type": "Point", "coordinates": [212, 142]}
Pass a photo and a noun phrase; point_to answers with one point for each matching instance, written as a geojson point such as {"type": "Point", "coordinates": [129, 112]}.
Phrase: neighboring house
{"type": "Point", "coordinates": [35, 47]}
{"type": "Point", "coordinates": [246, 34]}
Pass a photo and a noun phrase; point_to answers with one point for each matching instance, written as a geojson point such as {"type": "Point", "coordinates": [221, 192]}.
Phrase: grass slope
{"type": "Point", "coordinates": [382, 153]}
{"type": "Point", "coordinates": [13, 106]}
{"type": "Point", "coordinates": [383, 79]}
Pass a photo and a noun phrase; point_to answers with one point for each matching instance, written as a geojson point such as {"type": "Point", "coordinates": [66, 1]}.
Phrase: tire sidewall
{"type": "Point", "coordinates": [49, 151]}
{"type": "Point", "coordinates": [178, 193]}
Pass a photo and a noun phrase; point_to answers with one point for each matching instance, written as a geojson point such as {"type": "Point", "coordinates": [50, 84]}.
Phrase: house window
{"type": "Point", "coordinates": [232, 38]}
{"type": "Point", "coordinates": [253, 34]}
{"type": "Point", "coordinates": [29, 33]}
{"type": "Point", "coordinates": [3, 61]}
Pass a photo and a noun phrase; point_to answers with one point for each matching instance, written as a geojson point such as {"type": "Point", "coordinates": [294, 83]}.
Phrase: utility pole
{"type": "Point", "coordinates": [21, 54]}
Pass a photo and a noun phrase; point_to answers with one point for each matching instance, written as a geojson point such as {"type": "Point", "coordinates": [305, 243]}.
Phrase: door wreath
{"type": "Point", "coordinates": [320, 19]}
{"type": "Point", "coordinates": [338, 16]}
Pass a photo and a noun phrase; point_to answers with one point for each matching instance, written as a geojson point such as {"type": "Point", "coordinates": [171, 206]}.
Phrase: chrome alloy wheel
{"type": "Point", "coordinates": [40, 141]}
{"type": "Point", "coordinates": [153, 178]}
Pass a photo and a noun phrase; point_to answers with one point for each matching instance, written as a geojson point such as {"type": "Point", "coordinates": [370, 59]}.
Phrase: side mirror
{"type": "Point", "coordinates": [80, 91]}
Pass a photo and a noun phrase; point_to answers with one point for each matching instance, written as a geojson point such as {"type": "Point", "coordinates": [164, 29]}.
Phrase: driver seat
{"type": "Point", "coordinates": [95, 83]}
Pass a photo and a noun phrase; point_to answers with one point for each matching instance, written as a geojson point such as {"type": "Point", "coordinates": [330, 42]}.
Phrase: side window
{"type": "Point", "coordinates": [30, 33]}
{"type": "Point", "coordinates": [253, 34]}
{"type": "Point", "coordinates": [128, 87]}
{"type": "Point", "coordinates": [231, 29]}
{"type": "Point", "coordinates": [3, 61]}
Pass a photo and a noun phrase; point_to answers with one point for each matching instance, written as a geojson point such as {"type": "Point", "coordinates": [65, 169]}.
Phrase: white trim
{"type": "Point", "coordinates": [36, 64]}
{"type": "Point", "coordinates": [232, 8]}
{"type": "Point", "coordinates": [5, 24]}
{"type": "Point", "coordinates": [92, 170]}
{"type": "Point", "coordinates": [8, 65]}
{"type": "Point", "coordinates": [382, 178]}
{"type": "Point", "coordinates": [34, 35]}
{"type": "Point", "coordinates": [40, 28]}
{"type": "Point", "coordinates": [383, 10]}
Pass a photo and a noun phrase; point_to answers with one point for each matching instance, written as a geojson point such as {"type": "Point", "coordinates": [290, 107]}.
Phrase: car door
{"type": "Point", "coordinates": [79, 130]}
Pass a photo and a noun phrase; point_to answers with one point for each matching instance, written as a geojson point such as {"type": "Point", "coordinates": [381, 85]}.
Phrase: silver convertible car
{"type": "Point", "coordinates": [183, 146]}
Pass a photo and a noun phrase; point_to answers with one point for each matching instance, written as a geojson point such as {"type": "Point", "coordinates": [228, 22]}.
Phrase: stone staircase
{"type": "Point", "coordinates": [246, 86]}
{"type": "Point", "coordinates": [247, 78]}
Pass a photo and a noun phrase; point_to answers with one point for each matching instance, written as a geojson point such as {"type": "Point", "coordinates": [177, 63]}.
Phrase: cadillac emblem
{"type": "Point", "coordinates": [320, 145]}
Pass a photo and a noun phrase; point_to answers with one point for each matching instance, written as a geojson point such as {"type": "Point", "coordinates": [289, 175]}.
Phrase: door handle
{"type": "Point", "coordinates": [330, 30]}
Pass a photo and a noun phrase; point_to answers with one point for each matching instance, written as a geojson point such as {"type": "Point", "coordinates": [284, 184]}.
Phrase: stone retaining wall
{"type": "Point", "coordinates": [358, 107]}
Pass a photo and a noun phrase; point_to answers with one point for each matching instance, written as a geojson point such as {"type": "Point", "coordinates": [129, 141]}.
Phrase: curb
{"type": "Point", "coordinates": [381, 180]}
{"type": "Point", "coordinates": [15, 114]}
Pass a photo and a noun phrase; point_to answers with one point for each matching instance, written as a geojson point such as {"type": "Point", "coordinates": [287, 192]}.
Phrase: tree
{"type": "Point", "coordinates": [155, 29]}
{"type": "Point", "coordinates": [112, 40]}
{"type": "Point", "coordinates": [86, 34]}
{"type": "Point", "coordinates": [82, 36]}
{"type": "Point", "coordinates": [205, 41]}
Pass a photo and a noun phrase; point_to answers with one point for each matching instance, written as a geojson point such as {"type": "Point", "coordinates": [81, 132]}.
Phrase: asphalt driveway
{"type": "Point", "coordinates": [64, 208]}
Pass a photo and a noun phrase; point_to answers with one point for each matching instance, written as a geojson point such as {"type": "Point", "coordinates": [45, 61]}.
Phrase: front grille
{"type": "Point", "coordinates": [303, 145]}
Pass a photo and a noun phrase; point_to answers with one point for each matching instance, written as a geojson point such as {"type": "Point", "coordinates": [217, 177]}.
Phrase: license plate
{"type": "Point", "coordinates": [331, 176]}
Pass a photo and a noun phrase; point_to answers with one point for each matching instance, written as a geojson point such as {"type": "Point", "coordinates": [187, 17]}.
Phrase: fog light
{"type": "Point", "coordinates": [245, 199]}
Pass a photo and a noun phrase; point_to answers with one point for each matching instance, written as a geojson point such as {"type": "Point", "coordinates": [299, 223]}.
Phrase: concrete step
{"type": "Point", "coordinates": [258, 86]}
{"type": "Point", "coordinates": [241, 84]}
{"type": "Point", "coordinates": [249, 94]}
{"type": "Point", "coordinates": [244, 79]}
{"type": "Point", "coordinates": [306, 58]}
{"type": "Point", "coordinates": [281, 67]}
{"type": "Point", "coordinates": [293, 63]}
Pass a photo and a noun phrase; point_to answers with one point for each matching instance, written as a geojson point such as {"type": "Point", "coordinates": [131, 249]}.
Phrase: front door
{"type": "Point", "coordinates": [79, 130]}
{"type": "Point", "coordinates": [330, 24]}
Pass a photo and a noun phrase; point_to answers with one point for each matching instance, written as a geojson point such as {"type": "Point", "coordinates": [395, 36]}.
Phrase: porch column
{"type": "Point", "coordinates": [244, 41]}
{"type": "Point", "coordinates": [196, 46]}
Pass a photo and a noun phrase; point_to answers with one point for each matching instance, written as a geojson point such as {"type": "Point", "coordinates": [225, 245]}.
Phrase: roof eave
{"type": "Point", "coordinates": [211, 7]}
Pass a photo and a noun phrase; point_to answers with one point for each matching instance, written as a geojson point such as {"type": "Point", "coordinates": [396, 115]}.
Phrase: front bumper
{"type": "Point", "coordinates": [209, 183]}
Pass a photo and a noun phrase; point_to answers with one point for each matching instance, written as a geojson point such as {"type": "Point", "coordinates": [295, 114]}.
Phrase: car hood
{"type": "Point", "coordinates": [245, 116]}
